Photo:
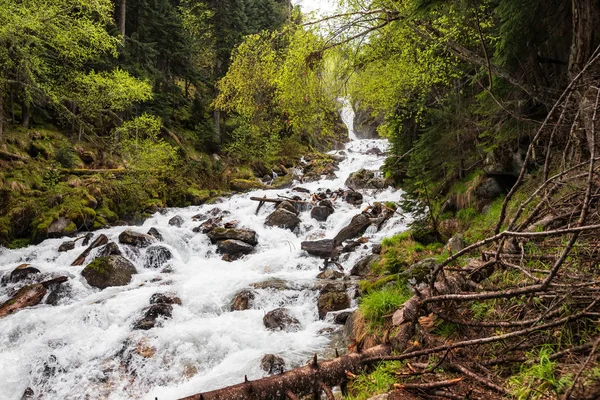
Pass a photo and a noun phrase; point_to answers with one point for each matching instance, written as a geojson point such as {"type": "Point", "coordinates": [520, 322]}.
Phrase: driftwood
{"type": "Point", "coordinates": [277, 201]}
{"type": "Point", "coordinates": [312, 378]}
{"type": "Point", "coordinates": [100, 241]}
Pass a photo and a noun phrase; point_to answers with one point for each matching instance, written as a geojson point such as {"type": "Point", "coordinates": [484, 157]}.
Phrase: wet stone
{"type": "Point", "coordinates": [135, 239]}
{"type": "Point", "coordinates": [152, 316]}
{"type": "Point", "coordinates": [283, 218]}
{"type": "Point", "coordinates": [155, 234]}
{"type": "Point", "coordinates": [165, 298]}
{"type": "Point", "coordinates": [110, 249]}
{"type": "Point", "coordinates": [280, 319]}
{"type": "Point", "coordinates": [66, 246]}
{"type": "Point", "coordinates": [86, 239]}
{"type": "Point", "coordinates": [23, 272]}
{"type": "Point", "coordinates": [243, 300]}
{"type": "Point", "coordinates": [157, 256]}
{"type": "Point", "coordinates": [272, 364]}
{"type": "Point", "coordinates": [176, 221]}
{"type": "Point", "coordinates": [331, 274]}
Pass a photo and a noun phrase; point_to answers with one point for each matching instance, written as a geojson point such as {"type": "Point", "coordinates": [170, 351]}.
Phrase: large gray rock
{"type": "Point", "coordinates": [366, 179]}
{"type": "Point", "coordinates": [324, 248]}
{"type": "Point", "coordinates": [321, 213]}
{"type": "Point", "coordinates": [280, 319]}
{"type": "Point", "coordinates": [354, 198]}
{"type": "Point", "coordinates": [245, 235]}
{"type": "Point", "coordinates": [420, 271]}
{"type": "Point", "coordinates": [136, 239]}
{"type": "Point", "coordinates": [363, 266]}
{"type": "Point", "coordinates": [332, 301]}
{"type": "Point", "coordinates": [109, 271]}
{"type": "Point", "coordinates": [66, 246]}
{"type": "Point", "coordinates": [61, 227]}
{"type": "Point", "coordinates": [286, 205]}
{"type": "Point", "coordinates": [456, 243]}
{"type": "Point", "coordinates": [234, 247]}
{"type": "Point", "coordinates": [283, 219]}
{"type": "Point", "coordinates": [357, 226]}
{"type": "Point", "coordinates": [489, 189]}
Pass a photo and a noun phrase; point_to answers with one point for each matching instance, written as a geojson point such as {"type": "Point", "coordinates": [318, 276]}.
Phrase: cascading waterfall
{"type": "Point", "coordinates": [85, 347]}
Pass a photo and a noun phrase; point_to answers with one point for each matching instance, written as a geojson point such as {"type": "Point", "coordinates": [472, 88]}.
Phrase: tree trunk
{"type": "Point", "coordinates": [25, 114]}
{"type": "Point", "coordinates": [583, 43]}
{"type": "Point", "coordinates": [1, 113]}
{"type": "Point", "coordinates": [300, 381]}
{"type": "Point", "coordinates": [122, 20]}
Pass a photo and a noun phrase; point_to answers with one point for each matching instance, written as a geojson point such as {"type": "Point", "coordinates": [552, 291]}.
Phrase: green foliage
{"type": "Point", "coordinates": [376, 305]}
{"type": "Point", "coordinates": [378, 381]}
{"type": "Point", "coordinates": [539, 380]}
{"type": "Point", "coordinates": [66, 157]}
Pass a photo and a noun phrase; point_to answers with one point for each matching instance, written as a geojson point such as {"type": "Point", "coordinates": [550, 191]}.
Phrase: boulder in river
{"type": "Point", "coordinates": [332, 301]}
{"type": "Point", "coordinates": [109, 271]}
{"type": "Point", "coordinates": [165, 298]}
{"type": "Point", "coordinates": [176, 221]}
{"type": "Point", "coordinates": [22, 272]}
{"type": "Point", "coordinates": [357, 226]}
{"type": "Point", "coordinates": [286, 205]}
{"type": "Point", "coordinates": [110, 249]}
{"type": "Point", "coordinates": [66, 246]}
{"type": "Point", "coordinates": [331, 274]}
{"type": "Point", "coordinates": [353, 197]}
{"type": "Point", "coordinates": [280, 319]}
{"type": "Point", "coordinates": [366, 179]}
{"type": "Point", "coordinates": [245, 235]}
{"type": "Point", "coordinates": [152, 315]}
{"type": "Point", "coordinates": [321, 213]}
{"type": "Point", "coordinates": [242, 300]}
{"type": "Point", "coordinates": [283, 218]}
{"type": "Point", "coordinates": [135, 239]}
{"type": "Point", "coordinates": [272, 364]}
{"type": "Point", "coordinates": [155, 234]}
{"type": "Point", "coordinates": [234, 248]}
{"type": "Point", "coordinates": [324, 248]}
{"type": "Point", "coordinates": [157, 256]}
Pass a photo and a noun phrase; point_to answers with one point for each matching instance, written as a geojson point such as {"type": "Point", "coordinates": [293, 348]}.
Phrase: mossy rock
{"type": "Point", "coordinates": [108, 271]}
{"type": "Point", "coordinates": [243, 185]}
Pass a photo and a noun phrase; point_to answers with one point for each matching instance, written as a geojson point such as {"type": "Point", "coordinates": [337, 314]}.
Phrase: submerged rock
{"type": "Point", "coordinates": [109, 271]}
{"type": "Point", "coordinates": [176, 221]}
{"type": "Point", "coordinates": [157, 256]}
{"type": "Point", "coordinates": [272, 364]}
{"type": "Point", "coordinates": [135, 239]}
{"type": "Point", "coordinates": [109, 249]}
{"type": "Point", "coordinates": [66, 246]}
{"type": "Point", "coordinates": [242, 300]}
{"type": "Point", "coordinates": [280, 319]}
{"type": "Point", "coordinates": [155, 234]}
{"type": "Point", "coordinates": [165, 298]}
{"type": "Point", "coordinates": [152, 315]}
{"type": "Point", "coordinates": [321, 213]}
{"type": "Point", "coordinates": [22, 272]}
{"type": "Point", "coordinates": [283, 218]}
{"type": "Point", "coordinates": [354, 198]}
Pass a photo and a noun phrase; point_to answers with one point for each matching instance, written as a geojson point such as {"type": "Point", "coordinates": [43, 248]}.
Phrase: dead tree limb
{"type": "Point", "coordinates": [300, 381]}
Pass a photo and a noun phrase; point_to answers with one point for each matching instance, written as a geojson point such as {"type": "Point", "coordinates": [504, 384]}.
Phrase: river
{"type": "Point", "coordinates": [85, 348]}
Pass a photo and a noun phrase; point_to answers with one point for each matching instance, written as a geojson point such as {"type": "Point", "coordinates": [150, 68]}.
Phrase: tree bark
{"type": "Point", "coordinates": [1, 112]}
{"type": "Point", "coordinates": [122, 20]}
{"type": "Point", "coordinates": [25, 114]}
{"type": "Point", "coordinates": [300, 381]}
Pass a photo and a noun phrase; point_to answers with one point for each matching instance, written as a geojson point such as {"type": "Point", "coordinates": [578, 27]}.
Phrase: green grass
{"type": "Point", "coordinates": [378, 381]}
{"type": "Point", "coordinates": [374, 306]}
{"type": "Point", "coordinates": [539, 380]}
